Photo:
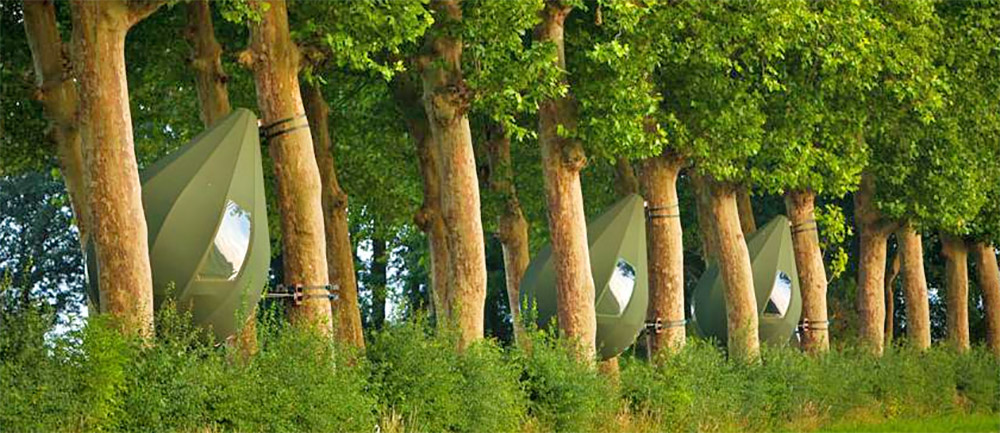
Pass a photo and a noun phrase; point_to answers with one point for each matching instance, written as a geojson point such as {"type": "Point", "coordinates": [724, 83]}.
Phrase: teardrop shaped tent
{"type": "Point", "coordinates": [207, 223]}
{"type": "Point", "coordinates": [776, 286]}
{"type": "Point", "coordinates": [617, 240]}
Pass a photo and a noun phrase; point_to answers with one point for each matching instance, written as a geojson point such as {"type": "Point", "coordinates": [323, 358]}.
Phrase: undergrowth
{"type": "Point", "coordinates": [412, 379]}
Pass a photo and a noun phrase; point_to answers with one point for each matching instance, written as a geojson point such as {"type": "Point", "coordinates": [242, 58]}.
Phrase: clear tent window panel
{"type": "Point", "coordinates": [781, 296]}
{"type": "Point", "coordinates": [622, 284]}
{"type": "Point", "coordinates": [230, 246]}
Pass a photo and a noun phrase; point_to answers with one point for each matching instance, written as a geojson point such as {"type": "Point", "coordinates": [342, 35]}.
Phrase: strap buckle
{"type": "Point", "coordinates": [297, 292]}
{"type": "Point", "coordinates": [813, 325]}
{"type": "Point", "coordinates": [656, 326]}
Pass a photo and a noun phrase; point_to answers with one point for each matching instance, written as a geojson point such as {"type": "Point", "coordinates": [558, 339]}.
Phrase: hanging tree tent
{"type": "Point", "coordinates": [617, 241]}
{"type": "Point", "coordinates": [776, 285]}
{"type": "Point", "coordinates": [207, 225]}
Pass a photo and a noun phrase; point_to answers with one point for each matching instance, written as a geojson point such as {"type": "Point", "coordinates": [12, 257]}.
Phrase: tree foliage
{"type": "Point", "coordinates": [367, 35]}
{"type": "Point", "coordinates": [710, 65]}
{"type": "Point", "coordinates": [23, 145]}
{"type": "Point", "coordinates": [971, 56]}
{"type": "Point", "coordinates": [813, 139]}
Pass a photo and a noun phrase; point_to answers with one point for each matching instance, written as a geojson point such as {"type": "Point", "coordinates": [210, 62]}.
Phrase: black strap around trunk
{"type": "Point", "coordinates": [272, 130]}
{"type": "Point", "coordinates": [654, 212]}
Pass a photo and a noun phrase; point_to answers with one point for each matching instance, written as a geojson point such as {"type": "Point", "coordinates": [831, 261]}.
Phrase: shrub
{"type": "Point", "coordinates": [413, 379]}
{"type": "Point", "coordinates": [420, 377]}
{"type": "Point", "coordinates": [298, 381]}
{"type": "Point", "coordinates": [566, 394]}
{"type": "Point", "coordinates": [96, 380]}
{"type": "Point", "coordinates": [698, 389]}
{"type": "Point", "coordinates": [72, 382]}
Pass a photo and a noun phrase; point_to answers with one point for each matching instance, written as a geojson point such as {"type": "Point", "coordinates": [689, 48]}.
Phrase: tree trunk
{"type": "Point", "coordinates": [918, 317]}
{"type": "Point", "coordinates": [60, 104]}
{"type": "Point", "coordinates": [890, 299]}
{"type": "Point", "coordinates": [379, 280]}
{"type": "Point", "coordinates": [513, 228]}
{"type": "Point", "coordinates": [747, 222]}
{"type": "Point", "coordinates": [275, 63]}
{"type": "Point", "coordinates": [988, 276]}
{"type": "Point", "coordinates": [111, 176]}
{"type": "Point", "coordinates": [611, 370]}
{"type": "Point", "coordinates": [800, 205]}
{"type": "Point", "coordinates": [206, 60]}
{"type": "Point", "coordinates": [734, 265]}
{"type": "Point", "coordinates": [339, 251]}
{"type": "Point", "coordinates": [562, 160]}
{"type": "Point", "coordinates": [665, 251]}
{"type": "Point", "coordinates": [956, 270]}
{"type": "Point", "coordinates": [706, 229]}
{"type": "Point", "coordinates": [626, 183]}
{"type": "Point", "coordinates": [445, 98]}
{"type": "Point", "coordinates": [871, 266]}
{"type": "Point", "coordinates": [406, 93]}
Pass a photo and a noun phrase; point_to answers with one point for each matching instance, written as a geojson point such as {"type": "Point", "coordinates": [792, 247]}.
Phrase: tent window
{"type": "Point", "coordinates": [622, 284]}
{"type": "Point", "coordinates": [229, 249]}
{"type": "Point", "coordinates": [781, 296]}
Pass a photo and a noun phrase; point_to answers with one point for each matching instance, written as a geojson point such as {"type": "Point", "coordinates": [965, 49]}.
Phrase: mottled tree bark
{"type": "Point", "coordinates": [956, 270]}
{"type": "Point", "coordinates": [379, 279]}
{"type": "Point", "coordinates": [339, 251]}
{"type": "Point", "coordinates": [737, 275]}
{"type": "Point", "coordinates": [747, 222]}
{"type": "Point", "coordinates": [918, 317]}
{"type": "Point", "coordinates": [274, 59]}
{"type": "Point", "coordinates": [800, 205]}
{"type": "Point", "coordinates": [110, 174]}
{"type": "Point", "coordinates": [988, 276]}
{"type": "Point", "coordinates": [446, 103]}
{"type": "Point", "coordinates": [60, 104]}
{"type": "Point", "coordinates": [513, 228]}
{"type": "Point", "coordinates": [562, 160]}
{"type": "Point", "coordinates": [871, 265]}
{"type": "Point", "coordinates": [665, 250]}
{"type": "Point", "coordinates": [406, 93]}
{"type": "Point", "coordinates": [706, 229]}
{"type": "Point", "coordinates": [890, 299]}
{"type": "Point", "coordinates": [206, 61]}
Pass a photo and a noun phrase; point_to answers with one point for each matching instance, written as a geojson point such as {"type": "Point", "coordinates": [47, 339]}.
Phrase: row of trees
{"type": "Point", "coordinates": [892, 102]}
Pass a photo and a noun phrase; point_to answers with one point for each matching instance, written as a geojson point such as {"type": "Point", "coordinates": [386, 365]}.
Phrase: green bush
{"type": "Point", "coordinates": [566, 394]}
{"type": "Point", "coordinates": [95, 380]}
{"type": "Point", "coordinates": [413, 379]}
{"type": "Point", "coordinates": [297, 382]}
{"type": "Point", "coordinates": [419, 376]}
{"type": "Point", "coordinates": [697, 389]}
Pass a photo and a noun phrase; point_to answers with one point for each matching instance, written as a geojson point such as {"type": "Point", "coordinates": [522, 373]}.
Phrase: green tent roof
{"type": "Point", "coordinates": [207, 223]}
{"type": "Point", "coordinates": [617, 240]}
{"type": "Point", "coordinates": [776, 285]}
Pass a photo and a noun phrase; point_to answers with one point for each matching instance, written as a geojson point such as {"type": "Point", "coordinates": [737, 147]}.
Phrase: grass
{"type": "Point", "coordinates": [967, 423]}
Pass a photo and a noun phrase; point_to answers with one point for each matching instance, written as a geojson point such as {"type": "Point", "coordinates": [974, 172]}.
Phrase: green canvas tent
{"type": "Point", "coordinates": [207, 224]}
{"type": "Point", "coordinates": [775, 280]}
{"type": "Point", "coordinates": [617, 241]}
